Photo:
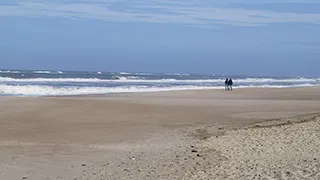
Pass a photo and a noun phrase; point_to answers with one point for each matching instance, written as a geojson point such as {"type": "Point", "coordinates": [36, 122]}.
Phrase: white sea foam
{"type": "Point", "coordinates": [7, 71]}
{"type": "Point", "coordinates": [134, 78]}
{"type": "Point", "coordinates": [35, 90]}
{"type": "Point", "coordinates": [42, 72]}
{"type": "Point", "coordinates": [264, 80]}
{"type": "Point", "coordinates": [143, 74]}
{"type": "Point", "coordinates": [137, 79]}
{"type": "Point", "coordinates": [124, 73]}
{"type": "Point", "coordinates": [125, 78]}
{"type": "Point", "coordinates": [276, 86]}
{"type": "Point", "coordinates": [177, 74]}
{"type": "Point", "coordinates": [7, 79]}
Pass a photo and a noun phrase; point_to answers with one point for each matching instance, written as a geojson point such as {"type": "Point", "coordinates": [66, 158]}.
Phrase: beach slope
{"type": "Point", "coordinates": [247, 133]}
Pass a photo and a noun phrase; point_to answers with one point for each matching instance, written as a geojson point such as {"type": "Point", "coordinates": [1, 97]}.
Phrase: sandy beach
{"type": "Point", "coordinates": [258, 133]}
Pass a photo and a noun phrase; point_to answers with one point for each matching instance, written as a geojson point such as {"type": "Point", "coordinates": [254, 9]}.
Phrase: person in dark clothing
{"type": "Point", "coordinates": [230, 83]}
{"type": "Point", "coordinates": [226, 87]}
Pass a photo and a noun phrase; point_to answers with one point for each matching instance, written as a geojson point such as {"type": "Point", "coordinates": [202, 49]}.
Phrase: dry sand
{"type": "Point", "coordinates": [207, 134]}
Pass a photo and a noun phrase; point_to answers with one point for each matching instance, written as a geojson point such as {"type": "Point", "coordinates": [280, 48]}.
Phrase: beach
{"type": "Point", "coordinates": [250, 133]}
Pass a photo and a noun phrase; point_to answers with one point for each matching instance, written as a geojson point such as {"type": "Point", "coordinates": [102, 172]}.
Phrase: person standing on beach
{"type": "Point", "coordinates": [230, 83]}
{"type": "Point", "coordinates": [226, 87]}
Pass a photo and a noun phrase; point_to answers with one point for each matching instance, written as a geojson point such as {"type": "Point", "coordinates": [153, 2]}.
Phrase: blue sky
{"type": "Point", "coordinates": [253, 37]}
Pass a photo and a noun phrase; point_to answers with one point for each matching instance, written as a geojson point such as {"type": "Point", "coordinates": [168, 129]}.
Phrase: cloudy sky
{"type": "Point", "coordinates": [252, 37]}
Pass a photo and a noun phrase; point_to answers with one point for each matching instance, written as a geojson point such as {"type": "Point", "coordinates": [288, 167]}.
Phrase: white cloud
{"type": "Point", "coordinates": [155, 11]}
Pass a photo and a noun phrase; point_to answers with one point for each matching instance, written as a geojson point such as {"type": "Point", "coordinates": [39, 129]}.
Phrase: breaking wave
{"type": "Point", "coordinates": [139, 79]}
{"type": "Point", "coordinates": [42, 72]}
{"type": "Point", "coordinates": [35, 90]}
{"type": "Point", "coordinates": [7, 71]}
{"type": "Point", "coordinates": [57, 83]}
{"type": "Point", "coordinates": [40, 90]}
{"type": "Point", "coordinates": [125, 73]}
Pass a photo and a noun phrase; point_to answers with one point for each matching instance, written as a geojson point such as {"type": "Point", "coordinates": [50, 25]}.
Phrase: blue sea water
{"type": "Point", "coordinates": [56, 83]}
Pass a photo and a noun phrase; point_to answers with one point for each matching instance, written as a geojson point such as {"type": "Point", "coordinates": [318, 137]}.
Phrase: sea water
{"type": "Point", "coordinates": [57, 83]}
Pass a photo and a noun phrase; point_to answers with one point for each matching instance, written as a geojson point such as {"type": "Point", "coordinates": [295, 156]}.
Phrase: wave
{"type": "Point", "coordinates": [125, 78]}
{"type": "Point", "coordinates": [7, 79]}
{"type": "Point", "coordinates": [14, 72]}
{"type": "Point", "coordinates": [143, 74]}
{"type": "Point", "coordinates": [177, 74]}
{"type": "Point", "coordinates": [39, 90]}
{"type": "Point", "coordinates": [262, 80]}
{"type": "Point", "coordinates": [124, 73]}
{"type": "Point", "coordinates": [42, 72]}
{"type": "Point", "coordinates": [36, 90]}
{"type": "Point", "coordinates": [138, 79]}
{"type": "Point", "coordinates": [276, 86]}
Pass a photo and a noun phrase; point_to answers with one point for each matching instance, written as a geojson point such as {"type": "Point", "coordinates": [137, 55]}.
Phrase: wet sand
{"type": "Point", "coordinates": [163, 135]}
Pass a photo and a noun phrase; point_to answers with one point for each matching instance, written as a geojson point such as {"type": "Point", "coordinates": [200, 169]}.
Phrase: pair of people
{"type": "Point", "coordinates": [228, 84]}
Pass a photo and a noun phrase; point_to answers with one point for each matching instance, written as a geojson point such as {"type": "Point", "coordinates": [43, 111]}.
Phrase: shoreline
{"type": "Point", "coordinates": [168, 90]}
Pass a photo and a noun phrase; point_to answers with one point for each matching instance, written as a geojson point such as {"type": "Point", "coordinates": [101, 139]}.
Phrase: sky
{"type": "Point", "coordinates": [247, 37]}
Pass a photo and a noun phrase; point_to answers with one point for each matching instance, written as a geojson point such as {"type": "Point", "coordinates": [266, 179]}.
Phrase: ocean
{"type": "Point", "coordinates": [59, 83]}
